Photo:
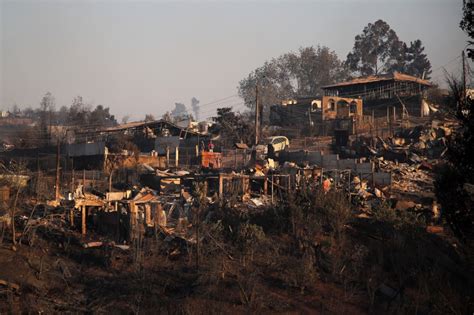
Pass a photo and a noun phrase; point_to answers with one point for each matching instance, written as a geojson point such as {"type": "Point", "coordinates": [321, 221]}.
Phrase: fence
{"type": "Point", "coordinates": [189, 157]}
{"type": "Point", "coordinates": [332, 162]}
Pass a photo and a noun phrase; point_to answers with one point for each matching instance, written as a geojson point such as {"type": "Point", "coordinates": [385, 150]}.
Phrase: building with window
{"type": "Point", "coordinates": [340, 107]}
{"type": "Point", "coordinates": [402, 91]}
{"type": "Point", "coordinates": [316, 115]}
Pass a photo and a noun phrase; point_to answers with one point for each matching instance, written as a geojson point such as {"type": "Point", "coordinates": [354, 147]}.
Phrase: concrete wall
{"type": "Point", "coordinates": [347, 164]}
{"type": "Point", "coordinates": [161, 143]}
{"type": "Point", "coordinates": [364, 167]}
{"type": "Point", "coordinates": [86, 149]}
{"type": "Point", "coordinates": [330, 161]}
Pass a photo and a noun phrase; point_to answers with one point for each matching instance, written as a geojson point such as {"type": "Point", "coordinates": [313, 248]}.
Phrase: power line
{"type": "Point", "coordinates": [440, 67]}
{"type": "Point", "coordinates": [212, 110]}
{"type": "Point", "coordinates": [217, 101]}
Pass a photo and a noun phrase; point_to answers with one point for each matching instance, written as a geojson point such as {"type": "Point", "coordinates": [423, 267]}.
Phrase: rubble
{"type": "Point", "coordinates": [409, 145]}
{"type": "Point", "coordinates": [168, 207]}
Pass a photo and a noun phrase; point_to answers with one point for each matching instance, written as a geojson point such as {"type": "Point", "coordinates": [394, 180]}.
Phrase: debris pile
{"type": "Point", "coordinates": [412, 145]}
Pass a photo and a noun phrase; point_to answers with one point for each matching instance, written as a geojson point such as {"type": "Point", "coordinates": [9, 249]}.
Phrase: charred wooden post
{"type": "Point", "coordinates": [110, 180]}
{"type": "Point", "coordinates": [265, 185]}
{"type": "Point", "coordinates": [245, 184]}
{"type": "Point", "coordinates": [133, 215]}
{"type": "Point", "coordinates": [176, 154]}
{"type": "Point", "coordinates": [148, 221]}
{"type": "Point", "coordinates": [221, 186]}
{"type": "Point", "coordinates": [272, 187]}
{"type": "Point", "coordinates": [72, 179]}
{"type": "Point", "coordinates": [58, 154]}
{"type": "Point", "coordinates": [71, 217]}
{"type": "Point", "coordinates": [373, 175]}
{"type": "Point", "coordinates": [83, 221]}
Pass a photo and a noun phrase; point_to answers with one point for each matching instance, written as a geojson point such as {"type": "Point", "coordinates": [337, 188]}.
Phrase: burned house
{"type": "Point", "coordinates": [340, 107]}
{"type": "Point", "coordinates": [153, 142]}
{"type": "Point", "coordinates": [157, 135]}
{"type": "Point", "coordinates": [87, 155]}
{"type": "Point", "coordinates": [397, 90]}
{"type": "Point", "coordinates": [317, 116]}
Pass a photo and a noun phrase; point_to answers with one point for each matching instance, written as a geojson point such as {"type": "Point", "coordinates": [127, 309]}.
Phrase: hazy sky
{"type": "Point", "coordinates": [142, 57]}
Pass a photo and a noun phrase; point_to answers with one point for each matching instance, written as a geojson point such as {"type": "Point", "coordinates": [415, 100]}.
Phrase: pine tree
{"type": "Point", "coordinates": [418, 64]}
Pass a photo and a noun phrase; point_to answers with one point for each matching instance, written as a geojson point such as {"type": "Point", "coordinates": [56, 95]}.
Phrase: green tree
{"type": "Point", "coordinates": [301, 73]}
{"type": "Point", "coordinates": [312, 68]}
{"type": "Point", "coordinates": [467, 24]}
{"type": "Point", "coordinates": [232, 127]}
{"type": "Point", "coordinates": [273, 79]}
{"type": "Point", "coordinates": [78, 112]}
{"type": "Point", "coordinates": [101, 117]}
{"type": "Point", "coordinates": [375, 51]}
{"type": "Point", "coordinates": [417, 63]}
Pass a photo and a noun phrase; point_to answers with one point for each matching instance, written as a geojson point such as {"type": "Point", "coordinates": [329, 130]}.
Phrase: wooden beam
{"type": "Point", "coordinates": [148, 214]}
{"type": "Point", "coordinates": [221, 186]}
{"type": "Point", "coordinates": [176, 160]}
{"type": "Point", "coordinates": [71, 217]}
{"type": "Point", "coordinates": [272, 187]}
{"type": "Point", "coordinates": [84, 217]}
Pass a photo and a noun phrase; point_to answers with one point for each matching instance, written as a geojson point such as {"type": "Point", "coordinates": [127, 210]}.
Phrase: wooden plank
{"type": "Point", "coordinates": [83, 223]}
{"type": "Point", "coordinates": [221, 186]}
{"type": "Point", "coordinates": [71, 217]}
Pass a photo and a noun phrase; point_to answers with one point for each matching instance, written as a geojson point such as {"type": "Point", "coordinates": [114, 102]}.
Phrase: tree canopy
{"type": "Point", "coordinates": [232, 127]}
{"type": "Point", "coordinates": [467, 25]}
{"type": "Point", "coordinates": [378, 50]}
{"type": "Point", "coordinates": [294, 73]}
{"type": "Point", "coordinates": [375, 50]}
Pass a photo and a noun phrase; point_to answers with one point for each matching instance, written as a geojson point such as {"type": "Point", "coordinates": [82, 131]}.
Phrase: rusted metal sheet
{"type": "Point", "coordinates": [4, 194]}
{"type": "Point", "coordinates": [211, 159]}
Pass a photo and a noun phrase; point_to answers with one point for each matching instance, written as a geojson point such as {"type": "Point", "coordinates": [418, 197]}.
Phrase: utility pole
{"type": "Point", "coordinates": [57, 171]}
{"type": "Point", "coordinates": [257, 118]}
{"type": "Point", "coordinates": [464, 77]}
{"type": "Point", "coordinates": [73, 188]}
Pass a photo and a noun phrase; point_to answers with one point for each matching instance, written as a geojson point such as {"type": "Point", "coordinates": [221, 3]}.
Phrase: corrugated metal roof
{"type": "Point", "coordinates": [396, 76]}
{"type": "Point", "coordinates": [137, 124]}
